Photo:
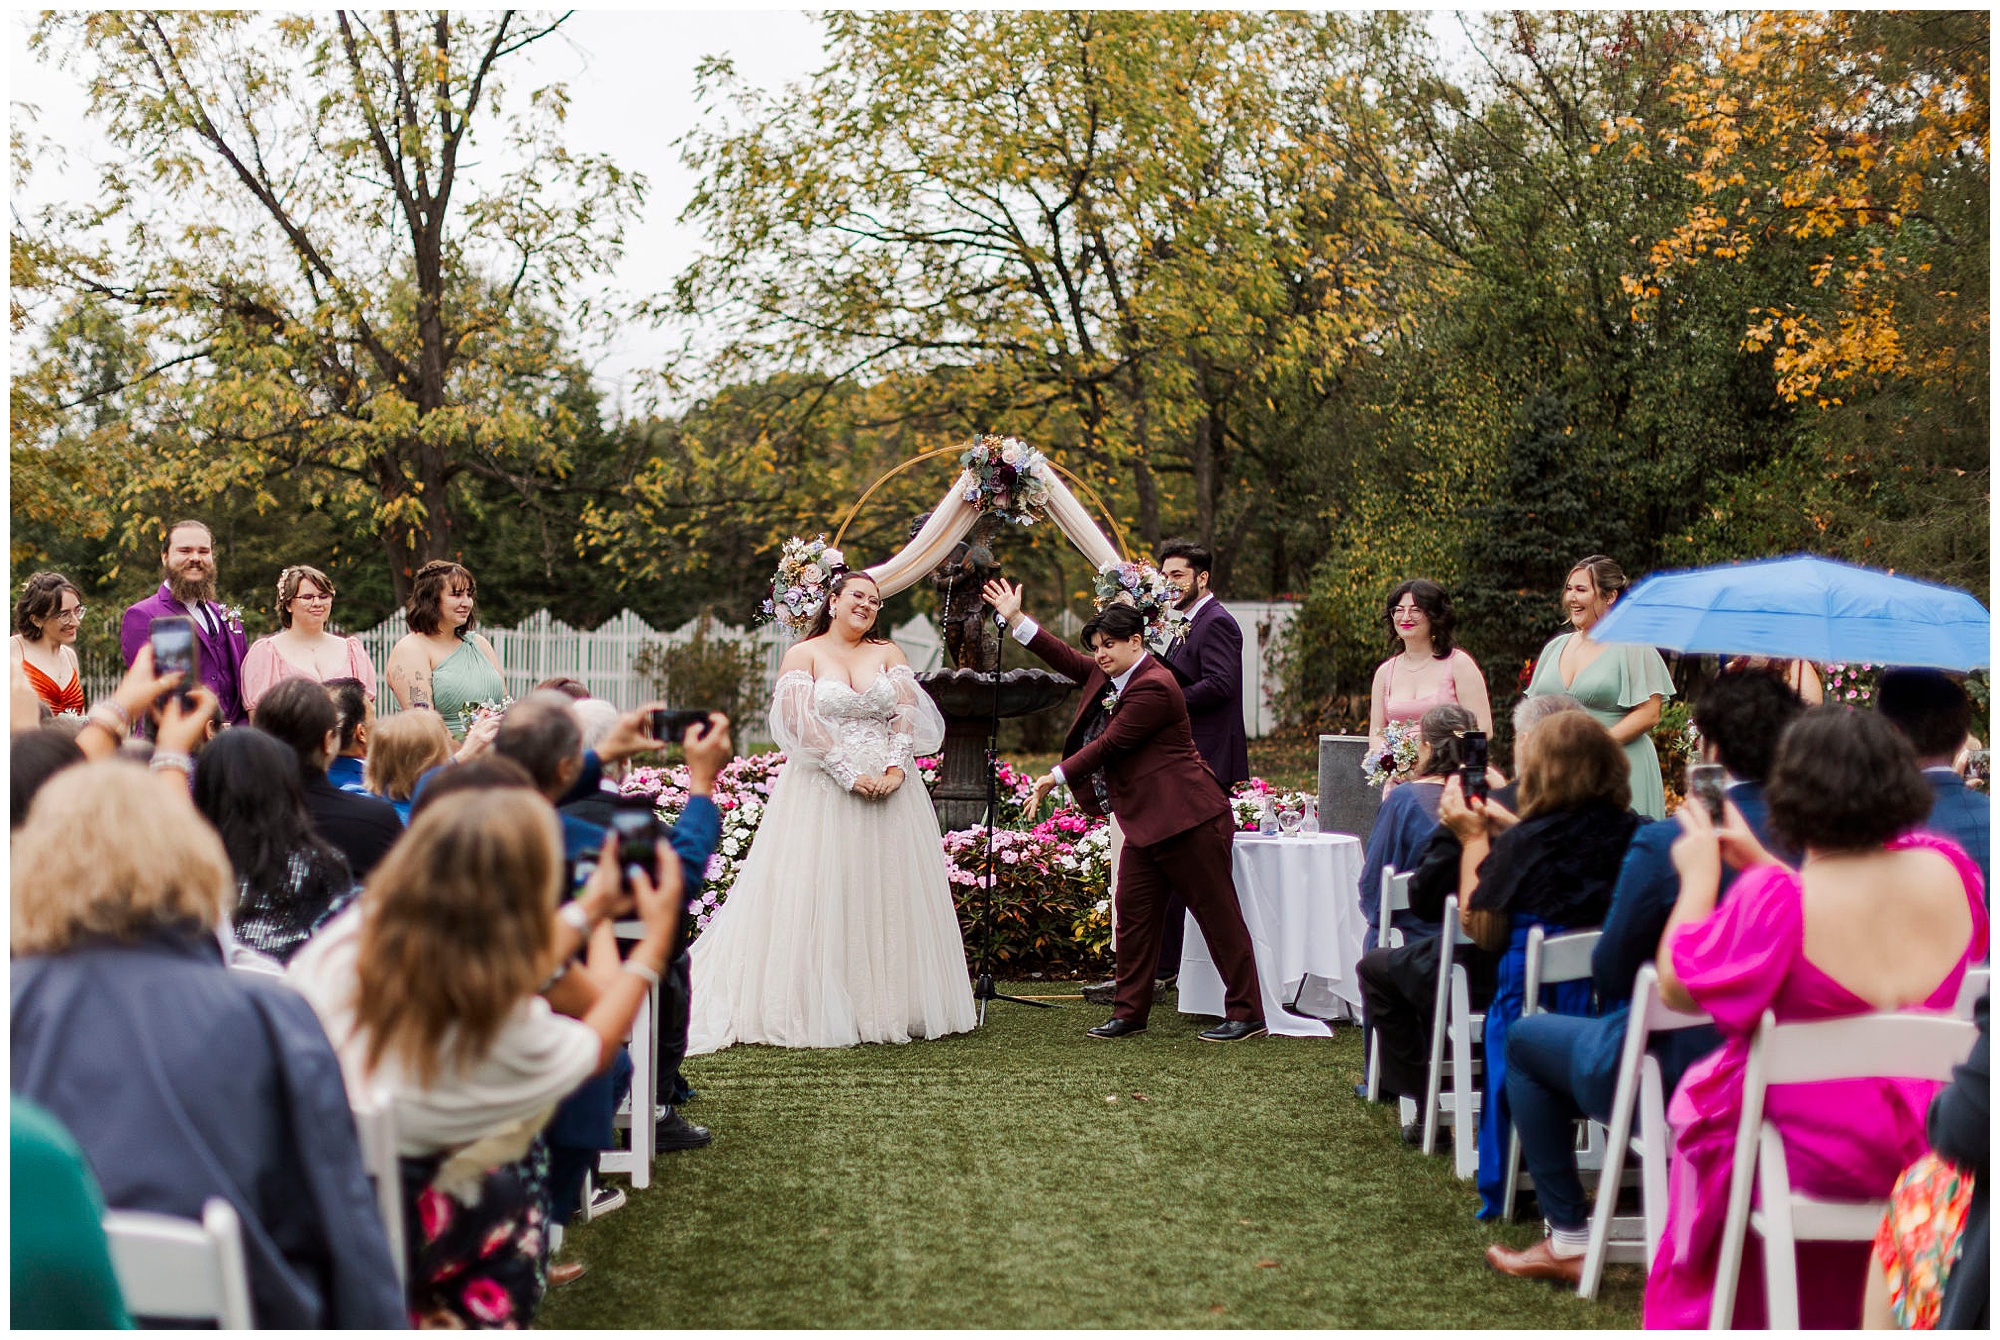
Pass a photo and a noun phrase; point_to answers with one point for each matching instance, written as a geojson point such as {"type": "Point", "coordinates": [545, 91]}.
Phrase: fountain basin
{"type": "Point", "coordinates": [969, 700]}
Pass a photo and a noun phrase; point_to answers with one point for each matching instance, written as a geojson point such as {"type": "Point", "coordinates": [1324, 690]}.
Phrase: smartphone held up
{"type": "Point", "coordinates": [176, 651]}
{"type": "Point", "coordinates": [1472, 773]}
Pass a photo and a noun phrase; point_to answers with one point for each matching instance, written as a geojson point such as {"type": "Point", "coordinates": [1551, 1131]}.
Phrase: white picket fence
{"type": "Point", "coordinates": [544, 647]}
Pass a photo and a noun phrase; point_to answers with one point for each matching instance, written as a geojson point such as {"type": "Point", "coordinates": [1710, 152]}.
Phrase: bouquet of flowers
{"type": "Point", "coordinates": [1009, 479]}
{"type": "Point", "coordinates": [806, 568]}
{"type": "Point", "coordinates": [1146, 589]}
{"type": "Point", "coordinates": [1396, 759]}
{"type": "Point", "coordinates": [468, 715]}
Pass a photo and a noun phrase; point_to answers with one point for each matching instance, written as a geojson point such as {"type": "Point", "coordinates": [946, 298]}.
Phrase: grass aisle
{"type": "Point", "coordinates": [990, 1180]}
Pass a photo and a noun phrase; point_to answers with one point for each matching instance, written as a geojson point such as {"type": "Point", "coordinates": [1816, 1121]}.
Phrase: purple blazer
{"type": "Point", "coordinates": [221, 656]}
{"type": "Point", "coordinates": [1208, 662]}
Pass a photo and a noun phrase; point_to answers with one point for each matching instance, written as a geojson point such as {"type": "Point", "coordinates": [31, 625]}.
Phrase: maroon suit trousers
{"type": "Point", "coordinates": [1195, 865]}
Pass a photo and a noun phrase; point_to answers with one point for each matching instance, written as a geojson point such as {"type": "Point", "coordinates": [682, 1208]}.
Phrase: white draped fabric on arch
{"type": "Point", "coordinates": [955, 516]}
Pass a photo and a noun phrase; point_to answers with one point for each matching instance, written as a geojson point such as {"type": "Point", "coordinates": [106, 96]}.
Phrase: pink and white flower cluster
{"type": "Point", "coordinates": [806, 569]}
{"type": "Point", "coordinates": [1009, 479]}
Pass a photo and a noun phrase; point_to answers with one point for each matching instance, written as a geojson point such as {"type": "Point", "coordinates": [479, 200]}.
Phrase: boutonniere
{"type": "Point", "coordinates": [1108, 701]}
{"type": "Point", "coordinates": [233, 616]}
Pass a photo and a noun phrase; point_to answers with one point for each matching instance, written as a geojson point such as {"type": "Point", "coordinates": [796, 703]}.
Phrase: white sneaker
{"type": "Point", "coordinates": [602, 1201]}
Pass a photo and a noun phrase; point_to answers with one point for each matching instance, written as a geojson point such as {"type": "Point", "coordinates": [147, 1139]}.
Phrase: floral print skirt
{"type": "Point", "coordinates": [482, 1266]}
{"type": "Point", "coordinates": [1919, 1241]}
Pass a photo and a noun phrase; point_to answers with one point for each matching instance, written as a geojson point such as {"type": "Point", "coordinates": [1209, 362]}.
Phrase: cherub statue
{"type": "Point", "coordinates": [971, 638]}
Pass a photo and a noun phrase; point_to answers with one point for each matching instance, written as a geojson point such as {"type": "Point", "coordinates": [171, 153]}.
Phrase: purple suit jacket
{"type": "Point", "coordinates": [221, 656]}
{"type": "Point", "coordinates": [1208, 662]}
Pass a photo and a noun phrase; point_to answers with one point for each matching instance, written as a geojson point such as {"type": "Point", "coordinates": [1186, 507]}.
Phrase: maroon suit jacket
{"type": "Point", "coordinates": [1158, 783]}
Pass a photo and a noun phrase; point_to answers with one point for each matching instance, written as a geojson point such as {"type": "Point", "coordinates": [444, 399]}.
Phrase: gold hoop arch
{"type": "Point", "coordinates": [1117, 533]}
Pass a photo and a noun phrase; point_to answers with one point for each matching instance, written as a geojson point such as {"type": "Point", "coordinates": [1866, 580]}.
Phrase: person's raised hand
{"type": "Point", "coordinates": [1459, 815]}
{"type": "Point", "coordinates": [1738, 842]}
{"type": "Point", "coordinates": [141, 688]}
{"type": "Point", "coordinates": [479, 738]}
{"type": "Point", "coordinates": [1498, 817]}
{"type": "Point", "coordinates": [1004, 597]}
{"type": "Point", "coordinates": [182, 729]}
{"type": "Point", "coordinates": [1697, 853]}
{"type": "Point", "coordinates": [603, 894]}
{"type": "Point", "coordinates": [707, 753]}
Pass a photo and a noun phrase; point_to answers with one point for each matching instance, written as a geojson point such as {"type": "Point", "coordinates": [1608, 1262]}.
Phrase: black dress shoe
{"type": "Point", "coordinates": [1101, 993]}
{"type": "Point", "coordinates": [1115, 1028]}
{"type": "Point", "coordinates": [1234, 1030]}
{"type": "Point", "coordinates": [675, 1131]}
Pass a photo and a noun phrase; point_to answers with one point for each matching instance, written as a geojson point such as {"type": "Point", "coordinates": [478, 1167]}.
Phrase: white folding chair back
{"type": "Point", "coordinates": [1641, 1086]}
{"type": "Point", "coordinates": [1395, 897]}
{"type": "Point", "coordinates": [1887, 1045]}
{"type": "Point", "coordinates": [636, 1159]}
{"type": "Point", "coordinates": [1551, 959]}
{"type": "Point", "coordinates": [179, 1270]}
{"type": "Point", "coordinates": [375, 1125]}
{"type": "Point", "coordinates": [1454, 1022]}
{"type": "Point", "coordinates": [1978, 981]}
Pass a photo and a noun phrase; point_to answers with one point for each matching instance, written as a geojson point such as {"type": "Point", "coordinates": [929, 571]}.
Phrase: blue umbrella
{"type": "Point", "coordinates": [1803, 608]}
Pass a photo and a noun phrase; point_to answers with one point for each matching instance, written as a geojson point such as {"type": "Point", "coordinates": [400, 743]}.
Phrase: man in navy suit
{"type": "Point", "coordinates": [1208, 662]}
{"type": "Point", "coordinates": [1932, 711]}
{"type": "Point", "coordinates": [1560, 1066]}
{"type": "Point", "coordinates": [188, 562]}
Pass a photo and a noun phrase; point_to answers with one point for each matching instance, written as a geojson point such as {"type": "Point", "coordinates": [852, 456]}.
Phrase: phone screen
{"type": "Point", "coordinates": [1706, 784]}
{"type": "Point", "coordinates": [175, 651]}
{"type": "Point", "coordinates": [1472, 776]}
{"type": "Point", "coordinates": [670, 725]}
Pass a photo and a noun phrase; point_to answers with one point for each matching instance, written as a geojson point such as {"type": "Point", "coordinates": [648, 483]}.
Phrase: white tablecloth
{"type": "Point", "coordinates": [1300, 902]}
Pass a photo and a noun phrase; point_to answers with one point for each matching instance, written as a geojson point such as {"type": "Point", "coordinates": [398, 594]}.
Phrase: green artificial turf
{"type": "Point", "coordinates": [1023, 1176]}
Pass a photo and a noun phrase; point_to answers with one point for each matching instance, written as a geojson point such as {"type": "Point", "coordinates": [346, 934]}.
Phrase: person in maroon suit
{"type": "Point", "coordinates": [188, 560]}
{"type": "Point", "coordinates": [1129, 753]}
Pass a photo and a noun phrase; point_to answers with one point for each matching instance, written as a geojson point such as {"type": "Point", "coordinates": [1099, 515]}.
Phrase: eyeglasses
{"type": "Point", "coordinates": [314, 600]}
{"type": "Point", "coordinates": [73, 616]}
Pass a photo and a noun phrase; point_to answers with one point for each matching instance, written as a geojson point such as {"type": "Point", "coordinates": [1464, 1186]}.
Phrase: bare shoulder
{"type": "Point", "coordinates": [1462, 663]}
{"type": "Point", "coordinates": [409, 648]}
{"type": "Point", "coordinates": [1383, 671]}
{"type": "Point", "coordinates": [800, 657]}
{"type": "Point", "coordinates": [892, 656]}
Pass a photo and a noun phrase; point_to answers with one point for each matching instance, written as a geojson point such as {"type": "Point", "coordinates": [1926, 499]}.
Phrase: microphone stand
{"type": "Point", "coordinates": [983, 988]}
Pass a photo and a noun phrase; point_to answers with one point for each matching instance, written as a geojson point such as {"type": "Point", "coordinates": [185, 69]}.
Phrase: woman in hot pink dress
{"type": "Point", "coordinates": [1891, 922]}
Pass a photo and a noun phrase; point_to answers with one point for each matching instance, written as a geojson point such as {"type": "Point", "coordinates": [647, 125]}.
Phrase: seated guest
{"type": "Point", "coordinates": [487, 772]}
{"type": "Point", "coordinates": [1561, 1067]}
{"type": "Point", "coordinates": [1876, 918]}
{"type": "Point", "coordinates": [430, 989]}
{"type": "Point", "coordinates": [1399, 986]}
{"type": "Point", "coordinates": [405, 747]}
{"type": "Point", "coordinates": [354, 719]}
{"type": "Point", "coordinates": [361, 828]}
{"type": "Point", "coordinates": [1408, 816]}
{"type": "Point", "coordinates": [289, 881]}
{"type": "Point", "coordinates": [1935, 715]}
{"type": "Point", "coordinates": [180, 1079]}
{"type": "Point", "coordinates": [1553, 867]}
{"type": "Point", "coordinates": [62, 1275]}
{"type": "Point", "coordinates": [1928, 1271]}
{"type": "Point", "coordinates": [541, 733]}
{"type": "Point", "coordinates": [596, 719]}
{"type": "Point", "coordinates": [33, 757]}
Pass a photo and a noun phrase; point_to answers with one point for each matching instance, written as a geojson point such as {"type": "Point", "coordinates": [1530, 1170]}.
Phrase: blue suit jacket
{"type": "Point", "coordinates": [1966, 817]}
{"type": "Point", "coordinates": [1648, 887]}
{"type": "Point", "coordinates": [1208, 662]}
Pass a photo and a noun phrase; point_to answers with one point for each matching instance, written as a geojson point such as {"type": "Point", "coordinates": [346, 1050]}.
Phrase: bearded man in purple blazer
{"type": "Point", "coordinates": [187, 560]}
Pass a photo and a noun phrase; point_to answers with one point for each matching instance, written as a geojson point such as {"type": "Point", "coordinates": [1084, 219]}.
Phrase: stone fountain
{"type": "Point", "coordinates": [975, 691]}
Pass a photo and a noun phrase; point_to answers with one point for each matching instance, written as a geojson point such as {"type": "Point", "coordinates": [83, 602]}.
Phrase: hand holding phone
{"type": "Point", "coordinates": [670, 725]}
{"type": "Point", "coordinates": [177, 652]}
{"type": "Point", "coordinates": [1706, 783]}
{"type": "Point", "coordinates": [1472, 772]}
{"type": "Point", "coordinates": [638, 840]}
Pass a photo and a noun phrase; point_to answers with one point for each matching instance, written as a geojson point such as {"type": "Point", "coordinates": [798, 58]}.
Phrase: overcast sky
{"type": "Point", "coordinates": [631, 77]}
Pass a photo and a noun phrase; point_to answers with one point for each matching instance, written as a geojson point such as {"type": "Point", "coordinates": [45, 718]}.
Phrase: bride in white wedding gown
{"type": "Point", "coordinates": [840, 927]}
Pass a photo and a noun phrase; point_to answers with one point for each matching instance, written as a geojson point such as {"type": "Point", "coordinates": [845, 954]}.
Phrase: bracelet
{"type": "Point", "coordinates": [164, 759]}
{"type": "Point", "coordinates": [111, 717]}
{"type": "Point", "coordinates": [642, 972]}
{"type": "Point", "coordinates": [573, 914]}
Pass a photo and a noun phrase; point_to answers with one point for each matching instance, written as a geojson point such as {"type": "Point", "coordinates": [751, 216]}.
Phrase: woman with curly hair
{"type": "Point", "coordinates": [441, 663]}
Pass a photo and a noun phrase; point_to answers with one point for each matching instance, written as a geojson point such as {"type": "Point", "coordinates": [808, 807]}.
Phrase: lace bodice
{"type": "Point", "coordinates": [855, 733]}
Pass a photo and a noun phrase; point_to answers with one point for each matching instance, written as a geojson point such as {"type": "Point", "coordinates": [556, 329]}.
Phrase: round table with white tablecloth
{"type": "Point", "coordinates": [1300, 904]}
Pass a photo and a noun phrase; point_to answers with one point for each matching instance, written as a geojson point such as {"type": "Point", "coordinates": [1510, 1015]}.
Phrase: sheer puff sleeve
{"type": "Point", "coordinates": [916, 727]}
{"type": "Point", "coordinates": [800, 730]}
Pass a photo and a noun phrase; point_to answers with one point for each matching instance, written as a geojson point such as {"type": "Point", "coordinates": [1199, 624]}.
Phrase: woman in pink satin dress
{"type": "Point", "coordinates": [1427, 670]}
{"type": "Point", "coordinates": [1877, 917]}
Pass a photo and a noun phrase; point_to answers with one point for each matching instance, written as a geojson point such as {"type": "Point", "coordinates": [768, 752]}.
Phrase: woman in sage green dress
{"type": "Point", "coordinates": [1621, 684]}
{"type": "Point", "coordinates": [441, 663]}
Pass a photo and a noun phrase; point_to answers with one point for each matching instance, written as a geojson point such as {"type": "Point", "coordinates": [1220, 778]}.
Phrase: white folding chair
{"type": "Point", "coordinates": [173, 1269]}
{"type": "Point", "coordinates": [1454, 1022]}
{"type": "Point", "coordinates": [1641, 1085]}
{"type": "Point", "coordinates": [1395, 897]}
{"type": "Point", "coordinates": [1889, 1045]}
{"type": "Point", "coordinates": [636, 1159]}
{"type": "Point", "coordinates": [1978, 981]}
{"type": "Point", "coordinates": [1551, 959]}
{"type": "Point", "coordinates": [375, 1124]}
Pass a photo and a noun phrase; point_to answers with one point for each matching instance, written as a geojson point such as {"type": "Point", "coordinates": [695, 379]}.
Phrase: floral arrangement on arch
{"type": "Point", "coordinates": [806, 569]}
{"type": "Point", "coordinates": [1396, 760]}
{"type": "Point", "coordinates": [1146, 589]}
{"type": "Point", "coordinates": [1010, 479]}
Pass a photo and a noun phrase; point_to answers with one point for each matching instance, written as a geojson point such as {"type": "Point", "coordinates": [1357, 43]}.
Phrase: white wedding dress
{"type": "Point", "coordinates": [840, 927]}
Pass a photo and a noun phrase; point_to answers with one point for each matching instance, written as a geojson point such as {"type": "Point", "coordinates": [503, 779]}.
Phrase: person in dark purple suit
{"type": "Point", "coordinates": [188, 560]}
{"type": "Point", "coordinates": [1208, 662]}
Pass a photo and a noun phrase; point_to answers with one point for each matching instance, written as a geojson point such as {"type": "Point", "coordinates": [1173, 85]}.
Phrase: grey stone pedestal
{"type": "Point", "coordinates": [1346, 803]}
